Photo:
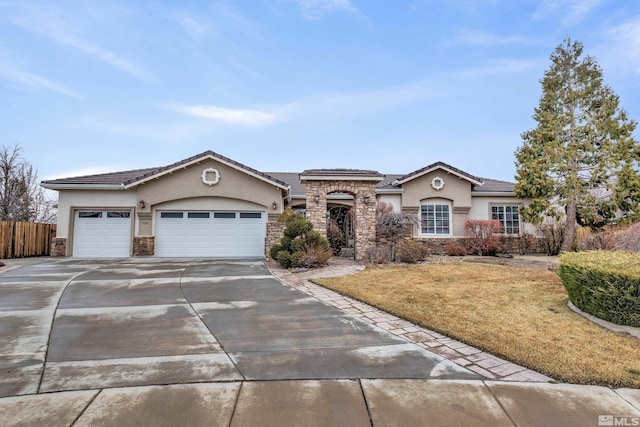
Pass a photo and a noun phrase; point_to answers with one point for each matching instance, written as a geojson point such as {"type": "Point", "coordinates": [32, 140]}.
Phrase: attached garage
{"type": "Point", "coordinates": [210, 233]}
{"type": "Point", "coordinates": [102, 234]}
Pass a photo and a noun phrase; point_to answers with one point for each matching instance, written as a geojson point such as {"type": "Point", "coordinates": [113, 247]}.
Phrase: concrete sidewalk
{"type": "Point", "coordinates": [361, 402]}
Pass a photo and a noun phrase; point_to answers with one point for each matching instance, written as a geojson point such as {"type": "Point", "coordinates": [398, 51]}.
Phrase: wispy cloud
{"type": "Point", "coordinates": [243, 117]}
{"type": "Point", "coordinates": [14, 74]}
{"type": "Point", "coordinates": [480, 38]}
{"type": "Point", "coordinates": [315, 9]}
{"type": "Point", "coordinates": [622, 48]}
{"type": "Point", "coordinates": [63, 32]}
{"type": "Point", "coordinates": [572, 11]}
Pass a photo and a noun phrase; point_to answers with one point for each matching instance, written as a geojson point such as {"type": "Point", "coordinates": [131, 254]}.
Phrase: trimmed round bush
{"type": "Point", "coordinates": [605, 284]}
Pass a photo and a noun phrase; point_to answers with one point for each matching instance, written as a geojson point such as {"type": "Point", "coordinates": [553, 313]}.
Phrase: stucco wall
{"type": "Point", "coordinates": [394, 199]}
{"type": "Point", "coordinates": [455, 189]}
{"type": "Point", "coordinates": [70, 199]}
{"type": "Point", "coordinates": [481, 209]}
{"type": "Point", "coordinates": [233, 184]}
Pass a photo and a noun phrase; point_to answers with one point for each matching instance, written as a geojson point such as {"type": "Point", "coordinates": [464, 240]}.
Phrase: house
{"type": "Point", "coordinates": [211, 206]}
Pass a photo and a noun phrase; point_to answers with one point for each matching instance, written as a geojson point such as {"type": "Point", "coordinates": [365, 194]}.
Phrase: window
{"type": "Point", "coordinates": [89, 214]}
{"type": "Point", "coordinates": [171, 215]}
{"type": "Point", "coordinates": [250, 215]}
{"type": "Point", "coordinates": [435, 219]}
{"type": "Point", "coordinates": [509, 218]}
{"type": "Point", "coordinates": [198, 215]}
{"type": "Point", "coordinates": [224, 215]}
{"type": "Point", "coordinates": [118, 214]}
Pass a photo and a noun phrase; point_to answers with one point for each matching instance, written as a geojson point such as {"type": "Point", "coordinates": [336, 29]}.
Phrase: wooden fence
{"type": "Point", "coordinates": [25, 239]}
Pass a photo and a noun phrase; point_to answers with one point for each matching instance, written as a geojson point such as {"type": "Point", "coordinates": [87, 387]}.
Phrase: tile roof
{"type": "Point", "coordinates": [133, 176]}
{"type": "Point", "coordinates": [341, 172]}
{"type": "Point", "coordinates": [112, 178]}
{"type": "Point", "coordinates": [291, 179]}
{"type": "Point", "coordinates": [436, 165]}
{"type": "Point", "coordinates": [494, 185]}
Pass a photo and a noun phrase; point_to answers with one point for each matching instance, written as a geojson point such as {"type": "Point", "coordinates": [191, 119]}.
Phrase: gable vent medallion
{"type": "Point", "coordinates": [209, 173]}
{"type": "Point", "coordinates": [437, 183]}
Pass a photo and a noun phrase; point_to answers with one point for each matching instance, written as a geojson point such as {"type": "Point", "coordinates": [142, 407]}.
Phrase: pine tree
{"type": "Point", "coordinates": [580, 163]}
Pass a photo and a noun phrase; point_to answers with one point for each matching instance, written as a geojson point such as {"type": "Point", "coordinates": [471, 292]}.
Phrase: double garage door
{"type": "Point", "coordinates": [107, 234]}
{"type": "Point", "coordinates": [210, 234]}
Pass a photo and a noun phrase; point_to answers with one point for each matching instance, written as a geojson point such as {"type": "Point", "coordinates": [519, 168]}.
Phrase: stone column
{"type": "Point", "coordinates": [365, 219]}
{"type": "Point", "coordinates": [317, 211]}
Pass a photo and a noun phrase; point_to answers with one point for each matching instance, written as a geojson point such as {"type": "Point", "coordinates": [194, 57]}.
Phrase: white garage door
{"type": "Point", "coordinates": [210, 234]}
{"type": "Point", "coordinates": [102, 234]}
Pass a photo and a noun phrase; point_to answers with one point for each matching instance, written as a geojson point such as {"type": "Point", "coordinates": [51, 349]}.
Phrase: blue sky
{"type": "Point", "coordinates": [286, 85]}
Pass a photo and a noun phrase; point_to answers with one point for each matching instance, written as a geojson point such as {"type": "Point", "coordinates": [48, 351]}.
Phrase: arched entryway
{"type": "Point", "coordinates": [361, 185]}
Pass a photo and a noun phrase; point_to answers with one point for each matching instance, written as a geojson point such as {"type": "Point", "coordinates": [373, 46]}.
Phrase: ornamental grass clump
{"type": "Point", "coordinates": [605, 284]}
{"type": "Point", "coordinates": [301, 245]}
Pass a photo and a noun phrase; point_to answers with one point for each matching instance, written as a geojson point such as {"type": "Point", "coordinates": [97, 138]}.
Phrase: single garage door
{"type": "Point", "coordinates": [102, 234]}
{"type": "Point", "coordinates": [210, 234]}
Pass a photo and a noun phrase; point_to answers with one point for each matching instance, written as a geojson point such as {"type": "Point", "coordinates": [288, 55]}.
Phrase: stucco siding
{"type": "Point", "coordinates": [455, 189]}
{"type": "Point", "coordinates": [394, 199]}
{"type": "Point", "coordinates": [73, 199]}
{"type": "Point", "coordinates": [481, 209]}
{"type": "Point", "coordinates": [233, 184]}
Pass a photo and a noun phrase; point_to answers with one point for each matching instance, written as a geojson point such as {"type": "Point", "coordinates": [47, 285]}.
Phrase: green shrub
{"type": "Point", "coordinates": [411, 252]}
{"type": "Point", "coordinates": [273, 252]}
{"type": "Point", "coordinates": [301, 245]}
{"type": "Point", "coordinates": [603, 283]}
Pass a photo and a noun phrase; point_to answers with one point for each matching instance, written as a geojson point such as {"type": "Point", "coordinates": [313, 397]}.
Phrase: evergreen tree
{"type": "Point", "coordinates": [580, 162]}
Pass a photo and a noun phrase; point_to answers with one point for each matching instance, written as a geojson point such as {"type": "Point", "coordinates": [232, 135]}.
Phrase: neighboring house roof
{"type": "Point", "coordinates": [438, 165]}
{"type": "Point", "coordinates": [135, 177]}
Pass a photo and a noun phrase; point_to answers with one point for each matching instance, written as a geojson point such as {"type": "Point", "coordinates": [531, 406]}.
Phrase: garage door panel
{"type": "Point", "coordinates": [211, 234]}
{"type": "Point", "coordinates": [102, 234]}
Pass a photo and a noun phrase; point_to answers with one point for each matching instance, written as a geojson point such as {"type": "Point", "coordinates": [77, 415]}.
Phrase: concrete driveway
{"type": "Point", "coordinates": [193, 342]}
{"type": "Point", "coordinates": [74, 325]}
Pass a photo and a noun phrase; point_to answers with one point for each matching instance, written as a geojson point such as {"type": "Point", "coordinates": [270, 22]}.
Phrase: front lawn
{"type": "Point", "coordinates": [518, 314]}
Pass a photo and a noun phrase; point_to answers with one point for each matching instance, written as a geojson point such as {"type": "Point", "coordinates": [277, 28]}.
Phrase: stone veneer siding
{"type": "Point", "coordinates": [59, 246]}
{"type": "Point", "coordinates": [364, 196]}
{"type": "Point", "coordinates": [438, 246]}
{"type": "Point", "coordinates": [275, 232]}
{"type": "Point", "coordinates": [144, 246]}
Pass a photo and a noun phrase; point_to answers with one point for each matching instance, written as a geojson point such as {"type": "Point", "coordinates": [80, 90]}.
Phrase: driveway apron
{"type": "Point", "coordinates": [74, 325]}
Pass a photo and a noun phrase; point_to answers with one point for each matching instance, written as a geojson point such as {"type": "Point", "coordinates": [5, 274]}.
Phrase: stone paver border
{"type": "Point", "coordinates": [474, 359]}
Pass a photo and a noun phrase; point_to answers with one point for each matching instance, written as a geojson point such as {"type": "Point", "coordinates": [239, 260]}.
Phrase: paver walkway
{"type": "Point", "coordinates": [475, 360]}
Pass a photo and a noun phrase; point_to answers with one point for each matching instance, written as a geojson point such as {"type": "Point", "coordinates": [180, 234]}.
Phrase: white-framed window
{"type": "Point", "coordinates": [435, 218]}
{"type": "Point", "coordinates": [508, 216]}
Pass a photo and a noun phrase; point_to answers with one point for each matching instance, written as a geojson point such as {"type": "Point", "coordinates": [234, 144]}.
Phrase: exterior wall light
{"type": "Point", "coordinates": [274, 205]}
{"type": "Point", "coordinates": [316, 198]}
{"type": "Point", "coordinates": [142, 204]}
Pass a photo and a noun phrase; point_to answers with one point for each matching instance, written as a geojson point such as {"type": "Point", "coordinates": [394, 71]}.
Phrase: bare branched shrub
{"type": "Point", "coordinates": [377, 255]}
{"type": "Point", "coordinates": [395, 226]}
{"type": "Point", "coordinates": [456, 249]}
{"type": "Point", "coordinates": [553, 233]}
{"type": "Point", "coordinates": [483, 236]}
{"type": "Point", "coordinates": [411, 252]}
{"type": "Point", "coordinates": [629, 238]}
{"type": "Point", "coordinates": [527, 242]}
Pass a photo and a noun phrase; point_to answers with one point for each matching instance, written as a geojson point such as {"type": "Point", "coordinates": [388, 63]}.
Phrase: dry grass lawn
{"type": "Point", "coordinates": [519, 314]}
